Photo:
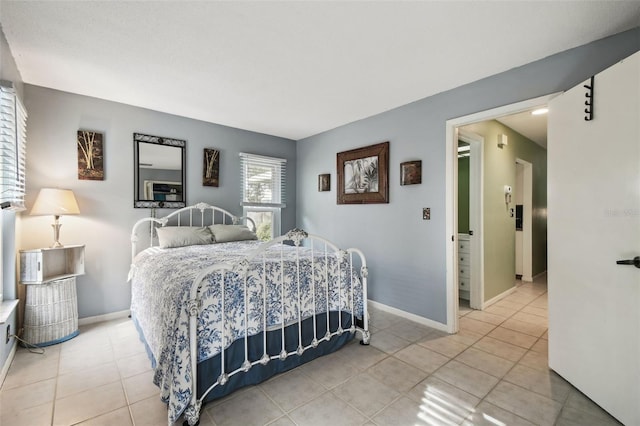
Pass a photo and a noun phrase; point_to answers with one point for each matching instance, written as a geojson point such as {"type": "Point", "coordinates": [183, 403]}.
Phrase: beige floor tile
{"type": "Point", "coordinates": [28, 396]}
{"type": "Point", "coordinates": [120, 417]}
{"type": "Point", "coordinates": [134, 365]}
{"type": "Point", "coordinates": [572, 417]}
{"type": "Point", "coordinates": [541, 312]}
{"type": "Point", "coordinates": [513, 337]}
{"type": "Point", "coordinates": [252, 408]}
{"type": "Point", "coordinates": [501, 310]}
{"type": "Point", "coordinates": [124, 347]}
{"type": "Point", "coordinates": [28, 368]}
{"type": "Point", "coordinates": [541, 302]}
{"type": "Point", "coordinates": [409, 330]}
{"type": "Point", "coordinates": [38, 415]}
{"type": "Point", "coordinates": [406, 411]}
{"type": "Point", "coordinates": [475, 326]}
{"type": "Point", "coordinates": [546, 383]}
{"type": "Point", "coordinates": [397, 374]}
{"type": "Point", "coordinates": [329, 370]}
{"type": "Point", "coordinates": [446, 345]}
{"type": "Point", "coordinates": [86, 357]}
{"type": "Point", "coordinates": [444, 397]}
{"type": "Point", "coordinates": [292, 389]}
{"type": "Point", "coordinates": [484, 361]}
{"type": "Point", "coordinates": [150, 412]}
{"type": "Point", "coordinates": [499, 348]}
{"type": "Point", "coordinates": [282, 421]}
{"type": "Point", "coordinates": [510, 304]}
{"type": "Point", "coordinates": [484, 316]}
{"type": "Point", "coordinates": [381, 320]}
{"type": "Point", "coordinates": [467, 378]}
{"type": "Point", "coordinates": [422, 358]}
{"type": "Point", "coordinates": [366, 355]}
{"type": "Point", "coordinates": [79, 381]}
{"type": "Point", "coordinates": [531, 318]}
{"type": "Point", "coordinates": [366, 394]}
{"type": "Point", "coordinates": [541, 346]}
{"type": "Point", "coordinates": [524, 327]}
{"type": "Point", "coordinates": [88, 404]}
{"type": "Point", "coordinates": [92, 336]}
{"type": "Point", "coordinates": [327, 409]}
{"type": "Point", "coordinates": [388, 342]}
{"type": "Point", "coordinates": [536, 360]}
{"type": "Point", "coordinates": [140, 387]}
{"type": "Point", "coordinates": [533, 407]}
{"type": "Point", "coordinates": [487, 414]}
{"type": "Point", "coordinates": [545, 336]}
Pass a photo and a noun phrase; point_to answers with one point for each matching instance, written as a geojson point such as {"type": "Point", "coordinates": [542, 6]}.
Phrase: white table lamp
{"type": "Point", "coordinates": [56, 202]}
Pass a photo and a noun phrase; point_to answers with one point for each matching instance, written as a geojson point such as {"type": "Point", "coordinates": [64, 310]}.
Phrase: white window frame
{"type": "Point", "coordinates": [277, 202]}
{"type": "Point", "coordinates": [13, 143]}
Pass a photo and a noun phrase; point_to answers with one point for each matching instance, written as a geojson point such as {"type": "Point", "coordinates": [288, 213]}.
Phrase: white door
{"type": "Point", "coordinates": [593, 221]}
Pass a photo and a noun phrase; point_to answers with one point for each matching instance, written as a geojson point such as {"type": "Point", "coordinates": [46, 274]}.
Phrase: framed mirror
{"type": "Point", "coordinates": [159, 172]}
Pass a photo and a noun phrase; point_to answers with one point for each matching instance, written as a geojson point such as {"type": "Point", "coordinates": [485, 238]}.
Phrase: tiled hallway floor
{"type": "Point", "coordinates": [494, 372]}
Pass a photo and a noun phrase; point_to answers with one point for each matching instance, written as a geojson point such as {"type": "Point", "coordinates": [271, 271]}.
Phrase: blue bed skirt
{"type": "Point", "coordinates": [209, 370]}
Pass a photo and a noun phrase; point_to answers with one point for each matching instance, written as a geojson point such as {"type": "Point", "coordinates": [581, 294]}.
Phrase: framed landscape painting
{"type": "Point", "coordinates": [363, 175]}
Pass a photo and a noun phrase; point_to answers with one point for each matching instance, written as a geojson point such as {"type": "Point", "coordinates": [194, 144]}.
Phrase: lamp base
{"type": "Point", "coordinates": [56, 233]}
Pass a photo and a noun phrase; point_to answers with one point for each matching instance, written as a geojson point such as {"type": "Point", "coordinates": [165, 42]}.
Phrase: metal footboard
{"type": "Point", "coordinates": [354, 272]}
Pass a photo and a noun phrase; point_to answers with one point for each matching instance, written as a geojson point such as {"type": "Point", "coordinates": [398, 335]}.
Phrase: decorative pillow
{"type": "Point", "coordinates": [180, 236]}
{"type": "Point", "coordinates": [227, 233]}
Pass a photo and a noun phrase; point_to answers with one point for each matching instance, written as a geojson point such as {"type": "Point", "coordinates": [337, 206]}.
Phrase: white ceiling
{"type": "Point", "coordinates": [533, 127]}
{"type": "Point", "coordinates": [291, 69]}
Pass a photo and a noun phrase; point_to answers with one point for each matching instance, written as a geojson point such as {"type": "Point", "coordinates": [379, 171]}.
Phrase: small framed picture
{"type": "Point", "coordinates": [324, 182]}
{"type": "Point", "coordinates": [411, 172]}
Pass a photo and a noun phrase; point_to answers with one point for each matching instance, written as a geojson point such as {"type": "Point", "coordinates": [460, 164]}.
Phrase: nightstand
{"type": "Point", "coordinates": [51, 306]}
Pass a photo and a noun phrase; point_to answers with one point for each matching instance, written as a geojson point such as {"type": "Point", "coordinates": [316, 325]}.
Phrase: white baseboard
{"type": "Point", "coordinates": [408, 315]}
{"type": "Point", "coordinates": [499, 297]}
{"type": "Point", "coordinates": [103, 318]}
{"type": "Point", "coordinates": [7, 363]}
{"type": "Point", "coordinates": [536, 276]}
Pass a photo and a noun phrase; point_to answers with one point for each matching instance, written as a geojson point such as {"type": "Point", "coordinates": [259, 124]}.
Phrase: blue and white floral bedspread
{"type": "Point", "coordinates": [161, 283]}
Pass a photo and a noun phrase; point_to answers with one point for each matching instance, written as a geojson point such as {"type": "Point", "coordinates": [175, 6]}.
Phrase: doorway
{"type": "Point", "coordinates": [452, 137]}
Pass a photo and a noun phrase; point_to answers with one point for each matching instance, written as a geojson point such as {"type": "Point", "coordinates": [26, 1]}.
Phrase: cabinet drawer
{"type": "Point", "coordinates": [464, 259]}
{"type": "Point", "coordinates": [464, 271]}
{"type": "Point", "coordinates": [464, 246]}
{"type": "Point", "coordinates": [464, 284]}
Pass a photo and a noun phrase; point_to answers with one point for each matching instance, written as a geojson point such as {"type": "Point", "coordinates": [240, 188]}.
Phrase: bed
{"type": "Point", "coordinates": [208, 298]}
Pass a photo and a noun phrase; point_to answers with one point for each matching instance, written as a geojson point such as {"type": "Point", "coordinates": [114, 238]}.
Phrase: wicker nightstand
{"type": "Point", "coordinates": [51, 307]}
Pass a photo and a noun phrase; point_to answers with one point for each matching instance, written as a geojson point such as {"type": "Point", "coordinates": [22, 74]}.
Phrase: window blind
{"type": "Point", "coordinates": [13, 139]}
{"type": "Point", "coordinates": [263, 181]}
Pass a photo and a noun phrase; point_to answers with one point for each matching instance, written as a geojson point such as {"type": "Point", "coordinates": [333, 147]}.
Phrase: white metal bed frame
{"type": "Point", "coordinates": [297, 237]}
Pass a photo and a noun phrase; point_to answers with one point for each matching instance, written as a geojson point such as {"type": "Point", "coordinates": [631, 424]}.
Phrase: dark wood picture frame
{"type": "Point", "coordinates": [90, 155]}
{"type": "Point", "coordinates": [411, 172]}
{"type": "Point", "coordinates": [211, 167]}
{"type": "Point", "coordinates": [363, 175]}
{"type": "Point", "coordinates": [324, 182]}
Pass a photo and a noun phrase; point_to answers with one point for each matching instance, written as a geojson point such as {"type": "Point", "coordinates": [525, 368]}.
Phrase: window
{"type": "Point", "coordinates": [263, 192]}
{"type": "Point", "coordinates": [13, 133]}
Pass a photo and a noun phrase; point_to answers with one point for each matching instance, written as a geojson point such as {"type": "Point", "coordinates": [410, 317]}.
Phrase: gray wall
{"type": "Point", "coordinates": [405, 253]}
{"type": "Point", "coordinates": [106, 207]}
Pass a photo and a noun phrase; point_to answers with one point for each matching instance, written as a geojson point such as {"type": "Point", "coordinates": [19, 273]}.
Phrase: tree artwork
{"type": "Point", "coordinates": [211, 167]}
{"type": "Point", "coordinates": [90, 155]}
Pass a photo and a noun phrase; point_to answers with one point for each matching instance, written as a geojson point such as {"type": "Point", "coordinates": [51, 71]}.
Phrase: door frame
{"type": "Point", "coordinates": [527, 228]}
{"type": "Point", "coordinates": [451, 193]}
{"type": "Point", "coordinates": [476, 219]}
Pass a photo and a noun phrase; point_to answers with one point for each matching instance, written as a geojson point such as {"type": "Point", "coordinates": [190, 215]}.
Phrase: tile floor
{"type": "Point", "coordinates": [494, 372]}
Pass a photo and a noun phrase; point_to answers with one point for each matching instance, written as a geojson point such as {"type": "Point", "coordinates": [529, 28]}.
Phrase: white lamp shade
{"type": "Point", "coordinates": [56, 202]}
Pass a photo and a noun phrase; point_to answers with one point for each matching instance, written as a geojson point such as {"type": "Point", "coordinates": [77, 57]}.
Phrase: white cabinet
{"type": "Point", "coordinates": [464, 266]}
{"type": "Point", "coordinates": [51, 304]}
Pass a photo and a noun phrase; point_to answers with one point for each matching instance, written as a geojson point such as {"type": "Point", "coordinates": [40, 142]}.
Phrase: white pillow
{"type": "Point", "coordinates": [180, 236]}
{"type": "Point", "coordinates": [227, 233]}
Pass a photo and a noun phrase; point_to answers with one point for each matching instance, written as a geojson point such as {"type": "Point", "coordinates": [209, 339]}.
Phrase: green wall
{"type": "Point", "coordinates": [499, 169]}
{"type": "Point", "coordinates": [463, 195]}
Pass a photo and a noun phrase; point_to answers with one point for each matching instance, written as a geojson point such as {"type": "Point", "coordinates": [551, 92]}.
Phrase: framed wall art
{"type": "Point", "coordinates": [324, 182]}
{"type": "Point", "coordinates": [90, 155]}
{"type": "Point", "coordinates": [363, 175]}
{"type": "Point", "coordinates": [211, 167]}
{"type": "Point", "coordinates": [411, 172]}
